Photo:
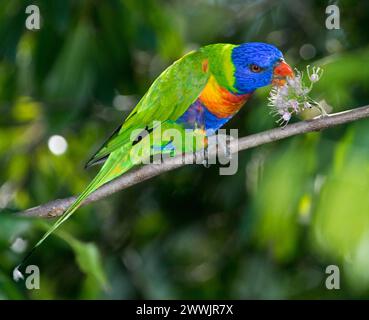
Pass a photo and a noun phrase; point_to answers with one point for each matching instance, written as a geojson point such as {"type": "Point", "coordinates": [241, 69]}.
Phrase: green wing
{"type": "Point", "coordinates": [167, 99]}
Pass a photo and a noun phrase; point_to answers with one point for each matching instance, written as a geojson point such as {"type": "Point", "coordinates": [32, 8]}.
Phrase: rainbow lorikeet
{"type": "Point", "coordinates": [201, 91]}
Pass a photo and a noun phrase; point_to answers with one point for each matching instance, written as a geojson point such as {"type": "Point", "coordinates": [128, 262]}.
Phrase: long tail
{"type": "Point", "coordinates": [113, 167]}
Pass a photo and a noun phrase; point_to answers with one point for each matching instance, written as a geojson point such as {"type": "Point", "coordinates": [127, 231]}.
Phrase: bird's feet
{"type": "Point", "coordinates": [218, 147]}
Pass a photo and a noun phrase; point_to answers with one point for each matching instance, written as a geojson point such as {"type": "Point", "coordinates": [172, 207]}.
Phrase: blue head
{"type": "Point", "coordinates": [257, 65]}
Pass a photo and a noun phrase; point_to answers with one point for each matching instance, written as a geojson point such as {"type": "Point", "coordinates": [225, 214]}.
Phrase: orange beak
{"type": "Point", "coordinates": [281, 71]}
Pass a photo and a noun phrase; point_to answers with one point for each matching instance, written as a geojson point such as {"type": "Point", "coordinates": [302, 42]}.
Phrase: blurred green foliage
{"type": "Point", "coordinates": [294, 207]}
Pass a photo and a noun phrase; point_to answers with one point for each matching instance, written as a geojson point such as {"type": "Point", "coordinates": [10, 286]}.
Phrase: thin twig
{"type": "Point", "coordinates": [57, 207]}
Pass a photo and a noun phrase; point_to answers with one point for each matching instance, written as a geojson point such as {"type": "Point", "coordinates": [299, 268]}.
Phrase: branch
{"type": "Point", "coordinates": [57, 207]}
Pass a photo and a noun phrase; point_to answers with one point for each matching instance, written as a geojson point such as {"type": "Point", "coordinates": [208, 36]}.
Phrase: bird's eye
{"type": "Point", "coordinates": [255, 68]}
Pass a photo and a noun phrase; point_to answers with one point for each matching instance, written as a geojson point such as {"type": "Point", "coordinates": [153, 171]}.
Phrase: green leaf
{"type": "Point", "coordinates": [88, 259]}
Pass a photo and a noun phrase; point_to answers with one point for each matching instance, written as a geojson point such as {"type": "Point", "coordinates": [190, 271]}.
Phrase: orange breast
{"type": "Point", "coordinates": [220, 101]}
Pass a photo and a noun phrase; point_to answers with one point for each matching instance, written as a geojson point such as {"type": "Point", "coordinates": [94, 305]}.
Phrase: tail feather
{"type": "Point", "coordinates": [112, 168]}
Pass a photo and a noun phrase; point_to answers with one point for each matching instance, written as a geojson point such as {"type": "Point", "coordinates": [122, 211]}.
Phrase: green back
{"type": "Point", "coordinates": [167, 99]}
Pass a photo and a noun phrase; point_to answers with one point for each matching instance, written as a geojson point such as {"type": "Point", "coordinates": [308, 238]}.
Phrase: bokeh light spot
{"type": "Point", "coordinates": [57, 145]}
{"type": "Point", "coordinates": [307, 51]}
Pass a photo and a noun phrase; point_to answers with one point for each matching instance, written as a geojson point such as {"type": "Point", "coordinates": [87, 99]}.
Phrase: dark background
{"type": "Point", "coordinates": [293, 208]}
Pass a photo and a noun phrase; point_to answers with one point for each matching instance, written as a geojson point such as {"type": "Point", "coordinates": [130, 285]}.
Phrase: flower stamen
{"type": "Point", "coordinates": [292, 97]}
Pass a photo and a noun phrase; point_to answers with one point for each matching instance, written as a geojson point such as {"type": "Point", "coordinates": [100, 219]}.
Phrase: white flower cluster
{"type": "Point", "coordinates": [292, 97]}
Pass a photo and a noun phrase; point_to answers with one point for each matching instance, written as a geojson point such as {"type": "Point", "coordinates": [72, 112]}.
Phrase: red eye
{"type": "Point", "coordinates": [255, 68]}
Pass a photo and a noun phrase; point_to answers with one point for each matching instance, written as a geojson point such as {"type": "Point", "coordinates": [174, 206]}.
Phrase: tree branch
{"type": "Point", "coordinates": [57, 207]}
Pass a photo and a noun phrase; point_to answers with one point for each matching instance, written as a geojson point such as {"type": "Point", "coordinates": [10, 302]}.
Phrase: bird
{"type": "Point", "coordinates": [201, 92]}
